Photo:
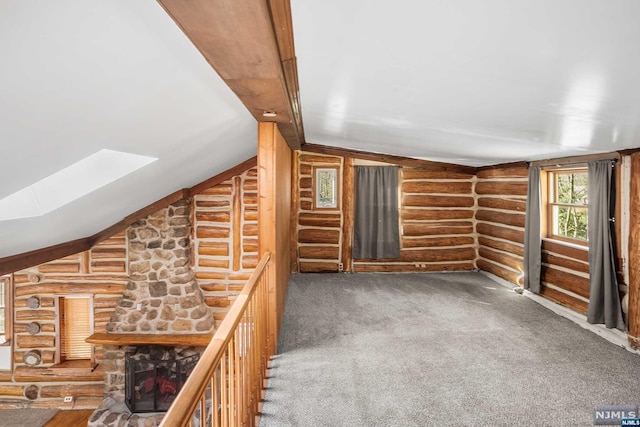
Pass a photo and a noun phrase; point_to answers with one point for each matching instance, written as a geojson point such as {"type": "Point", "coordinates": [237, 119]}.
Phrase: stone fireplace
{"type": "Point", "coordinates": [162, 307]}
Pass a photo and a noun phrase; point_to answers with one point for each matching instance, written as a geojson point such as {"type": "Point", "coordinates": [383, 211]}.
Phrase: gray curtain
{"type": "Point", "coordinates": [532, 239]}
{"type": "Point", "coordinates": [376, 231]}
{"type": "Point", "coordinates": [604, 299]}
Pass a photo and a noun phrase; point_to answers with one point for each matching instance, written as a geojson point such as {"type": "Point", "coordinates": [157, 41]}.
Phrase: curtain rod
{"type": "Point", "coordinates": [576, 160]}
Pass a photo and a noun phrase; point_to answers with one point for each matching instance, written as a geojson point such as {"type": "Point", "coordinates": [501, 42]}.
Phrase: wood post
{"type": "Point", "coordinates": [237, 222]}
{"type": "Point", "coordinates": [295, 207]}
{"type": "Point", "coordinates": [274, 219]}
{"type": "Point", "coordinates": [348, 207]}
{"type": "Point", "coordinates": [633, 317]}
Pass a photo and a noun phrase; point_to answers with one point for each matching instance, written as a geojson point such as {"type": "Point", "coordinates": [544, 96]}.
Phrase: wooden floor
{"type": "Point", "coordinates": [74, 418]}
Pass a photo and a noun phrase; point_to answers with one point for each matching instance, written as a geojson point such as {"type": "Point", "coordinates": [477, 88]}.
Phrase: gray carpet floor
{"type": "Point", "coordinates": [451, 349]}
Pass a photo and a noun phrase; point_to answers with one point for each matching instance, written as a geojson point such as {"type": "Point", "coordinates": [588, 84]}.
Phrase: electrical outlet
{"type": "Point", "coordinates": [68, 399]}
{"type": "Point", "coordinates": [340, 267]}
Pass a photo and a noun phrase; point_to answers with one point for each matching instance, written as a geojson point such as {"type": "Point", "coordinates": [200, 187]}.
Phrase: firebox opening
{"type": "Point", "coordinates": [154, 376]}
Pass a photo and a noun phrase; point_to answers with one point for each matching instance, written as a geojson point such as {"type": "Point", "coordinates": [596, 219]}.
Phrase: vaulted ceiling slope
{"type": "Point", "coordinates": [77, 77]}
{"type": "Point", "coordinates": [470, 82]}
{"type": "Point", "coordinates": [464, 81]}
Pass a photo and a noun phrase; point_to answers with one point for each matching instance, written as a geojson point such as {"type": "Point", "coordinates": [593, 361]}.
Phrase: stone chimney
{"type": "Point", "coordinates": [162, 296]}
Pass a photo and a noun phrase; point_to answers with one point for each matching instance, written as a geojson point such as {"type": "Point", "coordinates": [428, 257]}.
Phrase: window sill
{"type": "Point", "coordinates": [76, 365]}
{"type": "Point", "coordinates": [568, 244]}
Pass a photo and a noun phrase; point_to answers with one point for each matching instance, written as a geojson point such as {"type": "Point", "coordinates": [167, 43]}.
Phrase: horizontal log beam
{"type": "Point", "coordinates": [437, 228]}
{"type": "Point", "coordinates": [27, 315]}
{"type": "Point", "coordinates": [569, 264]}
{"type": "Point", "coordinates": [12, 390]}
{"type": "Point", "coordinates": [36, 341]}
{"type": "Point", "coordinates": [319, 220]}
{"type": "Point", "coordinates": [498, 270]}
{"type": "Point", "coordinates": [512, 248]}
{"type": "Point", "coordinates": [54, 374]}
{"type": "Point", "coordinates": [501, 258]}
{"type": "Point", "coordinates": [419, 173]}
{"type": "Point", "coordinates": [510, 234]}
{"type": "Point", "coordinates": [439, 187]}
{"type": "Point", "coordinates": [438, 255]}
{"type": "Point", "coordinates": [578, 253]}
{"type": "Point", "coordinates": [429, 256]}
{"type": "Point", "coordinates": [501, 188]}
{"type": "Point", "coordinates": [318, 267]}
{"type": "Point", "coordinates": [514, 219]}
{"type": "Point", "coordinates": [428, 201]}
{"type": "Point", "coordinates": [503, 203]}
{"type": "Point", "coordinates": [409, 214]}
{"type": "Point", "coordinates": [76, 390]}
{"type": "Point", "coordinates": [564, 299]}
{"type": "Point", "coordinates": [305, 157]}
{"type": "Point", "coordinates": [70, 288]}
{"type": "Point", "coordinates": [571, 282]}
{"type": "Point", "coordinates": [316, 235]}
{"type": "Point", "coordinates": [360, 267]}
{"type": "Point", "coordinates": [319, 252]}
{"type": "Point", "coordinates": [429, 242]}
{"type": "Point", "coordinates": [507, 170]}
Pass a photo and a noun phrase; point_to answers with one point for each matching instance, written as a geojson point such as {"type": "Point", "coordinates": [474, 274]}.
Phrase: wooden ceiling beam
{"type": "Point", "coordinates": [250, 45]}
{"type": "Point", "coordinates": [388, 158]}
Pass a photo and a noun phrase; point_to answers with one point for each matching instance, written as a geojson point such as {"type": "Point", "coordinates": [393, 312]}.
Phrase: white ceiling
{"type": "Point", "coordinates": [79, 76]}
{"type": "Point", "coordinates": [461, 81]}
{"type": "Point", "coordinates": [467, 81]}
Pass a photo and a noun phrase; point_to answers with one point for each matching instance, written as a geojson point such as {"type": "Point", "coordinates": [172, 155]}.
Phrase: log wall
{"type": "Point", "coordinates": [436, 220]}
{"type": "Point", "coordinates": [225, 224]}
{"type": "Point", "coordinates": [101, 272]}
{"type": "Point", "coordinates": [565, 275]}
{"type": "Point", "coordinates": [319, 232]}
{"type": "Point", "coordinates": [500, 216]}
{"type": "Point", "coordinates": [225, 250]}
{"type": "Point", "coordinates": [450, 220]}
{"type": "Point", "coordinates": [502, 198]}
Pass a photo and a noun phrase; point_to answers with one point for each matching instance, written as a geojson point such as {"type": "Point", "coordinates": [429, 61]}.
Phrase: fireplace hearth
{"type": "Point", "coordinates": [154, 376]}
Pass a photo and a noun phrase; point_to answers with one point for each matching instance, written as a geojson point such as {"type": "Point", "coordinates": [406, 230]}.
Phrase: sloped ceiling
{"type": "Point", "coordinates": [463, 81]}
{"type": "Point", "coordinates": [470, 82]}
{"type": "Point", "coordinates": [80, 76]}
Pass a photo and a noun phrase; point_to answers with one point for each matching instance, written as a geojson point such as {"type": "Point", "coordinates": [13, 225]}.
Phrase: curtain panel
{"type": "Point", "coordinates": [532, 233]}
{"type": "Point", "coordinates": [376, 230]}
{"type": "Point", "coordinates": [604, 299]}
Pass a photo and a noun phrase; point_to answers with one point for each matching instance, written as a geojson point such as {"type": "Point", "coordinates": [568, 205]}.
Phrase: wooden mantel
{"type": "Point", "coordinates": [196, 340]}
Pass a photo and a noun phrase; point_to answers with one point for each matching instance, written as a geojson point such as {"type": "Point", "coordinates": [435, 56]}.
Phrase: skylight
{"type": "Point", "coordinates": [71, 183]}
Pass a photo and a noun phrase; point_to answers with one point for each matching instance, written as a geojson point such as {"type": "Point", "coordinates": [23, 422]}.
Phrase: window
{"type": "Point", "coordinates": [75, 324]}
{"type": "Point", "coordinates": [567, 205]}
{"type": "Point", "coordinates": [376, 232]}
{"type": "Point", "coordinates": [325, 188]}
{"type": "Point", "coordinates": [6, 314]}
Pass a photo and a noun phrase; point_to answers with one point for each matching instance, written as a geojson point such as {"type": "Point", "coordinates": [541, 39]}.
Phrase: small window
{"type": "Point", "coordinates": [567, 205]}
{"type": "Point", "coordinates": [325, 188]}
{"type": "Point", "coordinates": [75, 325]}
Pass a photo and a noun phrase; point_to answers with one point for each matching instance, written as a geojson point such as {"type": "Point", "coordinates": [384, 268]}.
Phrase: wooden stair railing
{"type": "Point", "coordinates": [225, 388]}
